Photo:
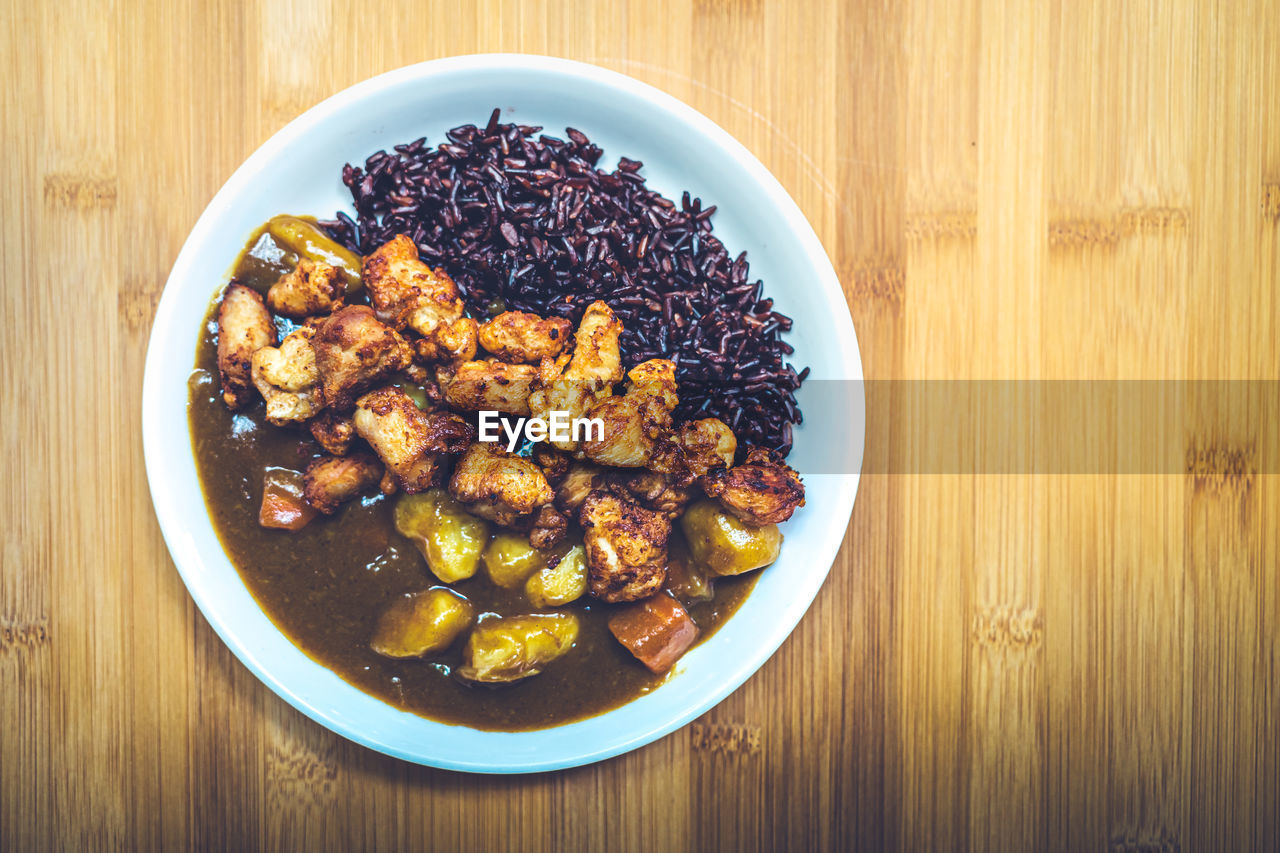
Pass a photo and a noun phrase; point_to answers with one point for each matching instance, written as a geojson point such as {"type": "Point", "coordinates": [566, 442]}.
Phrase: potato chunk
{"type": "Point", "coordinates": [515, 647]}
{"type": "Point", "coordinates": [450, 538]}
{"type": "Point", "coordinates": [510, 559]}
{"type": "Point", "coordinates": [724, 544]}
{"type": "Point", "coordinates": [420, 623]}
{"type": "Point", "coordinates": [559, 583]}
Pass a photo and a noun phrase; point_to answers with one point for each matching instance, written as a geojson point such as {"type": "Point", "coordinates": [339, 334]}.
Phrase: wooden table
{"type": "Point", "coordinates": [1083, 190]}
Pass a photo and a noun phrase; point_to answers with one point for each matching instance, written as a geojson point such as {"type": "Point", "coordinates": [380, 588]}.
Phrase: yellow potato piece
{"type": "Point", "coordinates": [510, 559]}
{"type": "Point", "coordinates": [515, 647]}
{"type": "Point", "coordinates": [723, 544]}
{"type": "Point", "coordinates": [420, 623]}
{"type": "Point", "coordinates": [562, 583]}
{"type": "Point", "coordinates": [450, 538]}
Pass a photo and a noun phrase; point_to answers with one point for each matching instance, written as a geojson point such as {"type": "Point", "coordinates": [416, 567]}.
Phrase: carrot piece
{"type": "Point", "coordinates": [283, 506]}
{"type": "Point", "coordinates": [657, 631]}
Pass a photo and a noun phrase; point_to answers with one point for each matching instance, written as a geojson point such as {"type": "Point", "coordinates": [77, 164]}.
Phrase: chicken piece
{"type": "Point", "coordinates": [573, 385]}
{"type": "Point", "coordinates": [406, 292]}
{"type": "Point", "coordinates": [579, 481]}
{"type": "Point", "coordinates": [353, 352]}
{"type": "Point", "coordinates": [694, 449]}
{"type": "Point", "coordinates": [474, 386]}
{"type": "Point", "coordinates": [707, 444]}
{"type": "Point", "coordinates": [552, 462]}
{"type": "Point", "coordinates": [626, 548]}
{"type": "Point", "coordinates": [286, 378]}
{"type": "Point", "coordinates": [331, 481]}
{"type": "Point", "coordinates": [498, 485]}
{"type": "Point", "coordinates": [651, 490]}
{"type": "Point", "coordinates": [244, 327]}
{"type": "Point", "coordinates": [453, 340]}
{"type": "Point", "coordinates": [410, 442]}
{"type": "Point", "coordinates": [308, 289]}
{"type": "Point", "coordinates": [549, 528]}
{"type": "Point", "coordinates": [635, 423]}
{"type": "Point", "coordinates": [760, 491]}
{"type": "Point", "coordinates": [517, 336]}
{"type": "Point", "coordinates": [333, 432]}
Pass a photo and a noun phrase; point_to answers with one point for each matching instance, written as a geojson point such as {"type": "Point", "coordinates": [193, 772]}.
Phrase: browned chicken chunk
{"type": "Point", "coordinates": [549, 528]}
{"type": "Point", "coordinates": [574, 384]}
{"type": "Point", "coordinates": [412, 443]}
{"type": "Point", "coordinates": [760, 491]}
{"type": "Point", "coordinates": [579, 481]}
{"type": "Point", "coordinates": [636, 422]}
{"type": "Point", "coordinates": [498, 485]}
{"type": "Point", "coordinates": [694, 449]}
{"type": "Point", "coordinates": [651, 490]}
{"type": "Point", "coordinates": [517, 336]}
{"type": "Point", "coordinates": [331, 481]}
{"type": "Point", "coordinates": [405, 292]}
{"type": "Point", "coordinates": [474, 386]}
{"type": "Point", "coordinates": [286, 378]}
{"type": "Point", "coordinates": [553, 463]}
{"type": "Point", "coordinates": [453, 340]}
{"type": "Point", "coordinates": [333, 432]}
{"type": "Point", "coordinates": [244, 327]}
{"type": "Point", "coordinates": [626, 548]}
{"type": "Point", "coordinates": [353, 352]}
{"type": "Point", "coordinates": [310, 288]}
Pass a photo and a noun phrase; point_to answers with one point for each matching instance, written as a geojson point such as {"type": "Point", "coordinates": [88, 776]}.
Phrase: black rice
{"type": "Point", "coordinates": [525, 221]}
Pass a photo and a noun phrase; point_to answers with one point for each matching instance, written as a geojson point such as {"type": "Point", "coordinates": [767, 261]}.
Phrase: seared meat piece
{"type": "Point", "coordinates": [331, 481]}
{"type": "Point", "coordinates": [353, 352]}
{"type": "Point", "coordinates": [573, 385]}
{"type": "Point", "coordinates": [244, 327]}
{"type": "Point", "coordinates": [286, 378]}
{"type": "Point", "coordinates": [651, 490]}
{"type": "Point", "coordinates": [626, 548]}
{"type": "Point", "coordinates": [549, 528]}
{"type": "Point", "coordinates": [579, 481]}
{"type": "Point", "coordinates": [310, 288]}
{"type": "Point", "coordinates": [412, 443]}
{"type": "Point", "coordinates": [454, 340]}
{"type": "Point", "coordinates": [635, 423]}
{"type": "Point", "coordinates": [406, 292]}
{"type": "Point", "coordinates": [473, 386]}
{"type": "Point", "coordinates": [760, 491]}
{"type": "Point", "coordinates": [517, 336]}
{"type": "Point", "coordinates": [694, 449]}
{"type": "Point", "coordinates": [333, 432]}
{"type": "Point", "coordinates": [552, 462]}
{"type": "Point", "coordinates": [498, 485]}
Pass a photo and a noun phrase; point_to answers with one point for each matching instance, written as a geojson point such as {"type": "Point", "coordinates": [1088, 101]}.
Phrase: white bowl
{"type": "Point", "coordinates": [298, 171]}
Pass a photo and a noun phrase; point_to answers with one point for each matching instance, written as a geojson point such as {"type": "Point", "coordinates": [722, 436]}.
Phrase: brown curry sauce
{"type": "Point", "coordinates": [325, 586]}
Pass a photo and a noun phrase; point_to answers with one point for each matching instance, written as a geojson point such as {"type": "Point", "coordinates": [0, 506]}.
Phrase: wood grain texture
{"type": "Point", "coordinates": [1062, 190]}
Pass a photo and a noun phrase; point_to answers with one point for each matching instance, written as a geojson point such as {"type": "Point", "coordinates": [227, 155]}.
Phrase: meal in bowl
{"type": "Point", "coordinates": [489, 480]}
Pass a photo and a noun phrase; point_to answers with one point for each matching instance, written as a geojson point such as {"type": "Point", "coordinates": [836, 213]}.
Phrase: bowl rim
{"type": "Point", "coordinates": [187, 559]}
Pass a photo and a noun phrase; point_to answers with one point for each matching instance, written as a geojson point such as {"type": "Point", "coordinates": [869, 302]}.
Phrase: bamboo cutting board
{"type": "Point", "coordinates": [1010, 191]}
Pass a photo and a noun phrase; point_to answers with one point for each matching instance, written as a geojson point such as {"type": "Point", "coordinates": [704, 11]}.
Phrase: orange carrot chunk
{"type": "Point", "coordinates": [283, 506]}
{"type": "Point", "coordinates": [657, 631]}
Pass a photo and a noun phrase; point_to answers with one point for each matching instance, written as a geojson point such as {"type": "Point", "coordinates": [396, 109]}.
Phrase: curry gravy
{"type": "Point", "coordinates": [325, 586]}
